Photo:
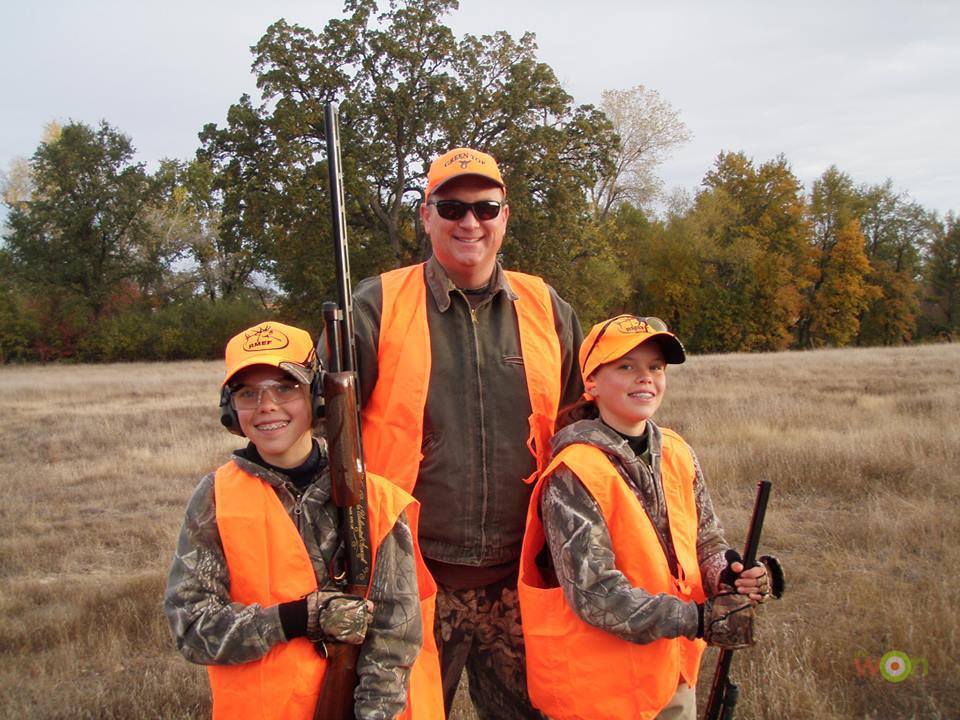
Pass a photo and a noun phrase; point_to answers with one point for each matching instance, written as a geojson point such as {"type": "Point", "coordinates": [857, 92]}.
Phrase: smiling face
{"type": "Point", "coordinates": [281, 432]}
{"type": "Point", "coordinates": [466, 248]}
{"type": "Point", "coordinates": [629, 390]}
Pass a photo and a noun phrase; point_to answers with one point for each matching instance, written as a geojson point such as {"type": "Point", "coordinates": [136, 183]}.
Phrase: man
{"type": "Point", "coordinates": [463, 366]}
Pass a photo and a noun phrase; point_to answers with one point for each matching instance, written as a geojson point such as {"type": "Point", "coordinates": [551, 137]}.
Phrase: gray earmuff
{"type": "Point", "coordinates": [228, 416]}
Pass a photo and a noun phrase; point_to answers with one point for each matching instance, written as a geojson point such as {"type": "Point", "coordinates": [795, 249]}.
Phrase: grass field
{"type": "Point", "coordinates": [863, 446]}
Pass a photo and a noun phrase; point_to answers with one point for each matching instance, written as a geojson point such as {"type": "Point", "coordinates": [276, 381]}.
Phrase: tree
{"type": "Point", "coordinates": [897, 232]}
{"type": "Point", "coordinates": [942, 307]}
{"type": "Point", "coordinates": [648, 129]}
{"type": "Point", "coordinates": [756, 254]}
{"type": "Point", "coordinates": [840, 290]}
{"type": "Point", "coordinates": [408, 89]}
{"type": "Point", "coordinates": [74, 241]}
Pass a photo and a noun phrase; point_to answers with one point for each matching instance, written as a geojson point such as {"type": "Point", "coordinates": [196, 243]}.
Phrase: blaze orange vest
{"type": "Point", "coordinates": [269, 564]}
{"type": "Point", "coordinates": [576, 671]}
{"type": "Point", "coordinates": [393, 415]}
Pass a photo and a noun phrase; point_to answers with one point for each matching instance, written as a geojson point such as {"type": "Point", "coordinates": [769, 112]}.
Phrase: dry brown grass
{"type": "Point", "coordinates": [97, 463]}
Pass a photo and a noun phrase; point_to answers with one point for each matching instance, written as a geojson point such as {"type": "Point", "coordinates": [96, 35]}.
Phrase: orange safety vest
{"type": "Point", "coordinates": [393, 415]}
{"type": "Point", "coordinates": [269, 564]}
{"type": "Point", "coordinates": [576, 671]}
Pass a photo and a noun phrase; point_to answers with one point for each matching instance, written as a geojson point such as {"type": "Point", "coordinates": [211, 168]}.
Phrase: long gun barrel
{"type": "Point", "coordinates": [342, 416]}
{"type": "Point", "coordinates": [724, 693]}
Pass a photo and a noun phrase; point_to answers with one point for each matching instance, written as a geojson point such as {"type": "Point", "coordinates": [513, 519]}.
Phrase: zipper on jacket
{"type": "Point", "coordinates": [297, 504]}
{"type": "Point", "coordinates": [483, 429]}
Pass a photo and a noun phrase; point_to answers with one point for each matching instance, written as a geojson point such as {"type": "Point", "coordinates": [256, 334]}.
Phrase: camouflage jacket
{"type": "Point", "coordinates": [582, 551]}
{"type": "Point", "coordinates": [210, 629]}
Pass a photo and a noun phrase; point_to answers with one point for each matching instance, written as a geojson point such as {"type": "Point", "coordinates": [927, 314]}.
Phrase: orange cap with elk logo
{"type": "Point", "coordinates": [462, 161]}
{"type": "Point", "coordinates": [617, 336]}
{"type": "Point", "coordinates": [271, 343]}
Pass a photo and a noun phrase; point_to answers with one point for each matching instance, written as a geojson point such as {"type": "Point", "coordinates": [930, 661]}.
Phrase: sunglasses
{"type": "Point", "coordinates": [455, 209]}
{"type": "Point", "coordinates": [654, 324]}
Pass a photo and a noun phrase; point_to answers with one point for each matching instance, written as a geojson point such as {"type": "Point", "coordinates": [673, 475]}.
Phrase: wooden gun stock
{"type": "Point", "coordinates": [348, 494]}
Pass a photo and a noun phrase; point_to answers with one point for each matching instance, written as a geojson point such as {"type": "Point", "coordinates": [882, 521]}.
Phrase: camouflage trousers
{"type": "Point", "coordinates": [479, 628]}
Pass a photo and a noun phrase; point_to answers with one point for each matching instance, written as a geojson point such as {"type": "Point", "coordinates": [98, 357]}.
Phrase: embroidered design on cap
{"type": "Point", "coordinates": [632, 325]}
{"type": "Point", "coordinates": [264, 337]}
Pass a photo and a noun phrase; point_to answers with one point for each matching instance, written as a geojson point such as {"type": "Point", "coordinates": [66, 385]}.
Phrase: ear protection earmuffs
{"type": "Point", "coordinates": [228, 416]}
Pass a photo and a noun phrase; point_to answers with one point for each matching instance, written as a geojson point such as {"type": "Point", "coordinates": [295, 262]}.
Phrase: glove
{"type": "Point", "coordinates": [770, 583]}
{"type": "Point", "coordinates": [728, 620]}
{"type": "Point", "coordinates": [337, 617]}
{"type": "Point", "coordinates": [776, 582]}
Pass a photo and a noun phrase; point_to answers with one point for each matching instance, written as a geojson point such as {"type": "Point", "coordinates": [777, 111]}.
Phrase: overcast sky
{"type": "Point", "coordinates": [872, 87]}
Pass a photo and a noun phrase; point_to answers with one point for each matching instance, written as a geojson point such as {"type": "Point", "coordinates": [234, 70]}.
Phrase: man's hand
{"type": "Point", "coordinates": [337, 617]}
{"type": "Point", "coordinates": [728, 620]}
{"type": "Point", "coordinates": [759, 582]}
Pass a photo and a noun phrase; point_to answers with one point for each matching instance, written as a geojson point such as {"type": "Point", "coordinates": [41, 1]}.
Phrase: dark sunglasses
{"type": "Point", "coordinates": [653, 323]}
{"type": "Point", "coordinates": [455, 209]}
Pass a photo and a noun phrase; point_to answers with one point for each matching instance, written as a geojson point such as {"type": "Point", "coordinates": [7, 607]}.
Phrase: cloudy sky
{"type": "Point", "coordinates": [871, 87]}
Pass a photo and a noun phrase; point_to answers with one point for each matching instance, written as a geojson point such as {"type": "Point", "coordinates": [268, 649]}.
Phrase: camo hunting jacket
{"type": "Point", "coordinates": [210, 629]}
{"type": "Point", "coordinates": [582, 551]}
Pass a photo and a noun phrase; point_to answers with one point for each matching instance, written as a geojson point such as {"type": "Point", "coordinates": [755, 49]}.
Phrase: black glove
{"type": "Point", "coordinates": [776, 582]}
{"type": "Point", "coordinates": [728, 576]}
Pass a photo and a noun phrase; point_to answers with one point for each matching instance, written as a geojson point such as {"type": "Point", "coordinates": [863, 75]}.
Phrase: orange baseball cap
{"type": "Point", "coordinates": [617, 336]}
{"type": "Point", "coordinates": [462, 161]}
{"type": "Point", "coordinates": [272, 343]}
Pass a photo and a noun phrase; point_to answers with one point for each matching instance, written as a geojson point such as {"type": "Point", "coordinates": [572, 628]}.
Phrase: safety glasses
{"type": "Point", "coordinates": [249, 397]}
{"type": "Point", "coordinates": [455, 209]}
{"type": "Point", "coordinates": [643, 324]}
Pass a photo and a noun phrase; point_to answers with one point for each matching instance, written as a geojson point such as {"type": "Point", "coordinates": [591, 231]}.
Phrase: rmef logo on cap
{"type": "Point", "coordinates": [264, 337]}
{"type": "Point", "coordinates": [633, 325]}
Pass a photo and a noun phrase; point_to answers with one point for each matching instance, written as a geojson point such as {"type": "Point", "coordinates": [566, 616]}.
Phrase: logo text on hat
{"type": "Point", "coordinates": [464, 159]}
{"type": "Point", "coordinates": [264, 337]}
{"type": "Point", "coordinates": [633, 325]}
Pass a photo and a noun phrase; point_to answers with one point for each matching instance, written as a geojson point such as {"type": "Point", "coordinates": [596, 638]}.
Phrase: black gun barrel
{"type": "Point", "coordinates": [723, 693]}
{"type": "Point", "coordinates": [339, 225]}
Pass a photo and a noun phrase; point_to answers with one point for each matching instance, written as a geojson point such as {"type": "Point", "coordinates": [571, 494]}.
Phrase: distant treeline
{"type": "Point", "coordinates": [104, 261]}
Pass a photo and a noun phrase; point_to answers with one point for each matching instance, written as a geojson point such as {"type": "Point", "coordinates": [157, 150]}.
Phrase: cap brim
{"type": "Point", "coordinates": [671, 348]}
{"type": "Point", "coordinates": [301, 372]}
{"type": "Point", "coordinates": [489, 179]}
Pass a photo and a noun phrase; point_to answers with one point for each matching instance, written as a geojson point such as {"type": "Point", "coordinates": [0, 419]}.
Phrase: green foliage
{"type": "Point", "coordinates": [102, 261]}
{"type": "Point", "coordinates": [192, 328]}
{"type": "Point", "coordinates": [79, 233]}
{"type": "Point", "coordinates": [942, 306]}
{"type": "Point", "coordinates": [408, 90]}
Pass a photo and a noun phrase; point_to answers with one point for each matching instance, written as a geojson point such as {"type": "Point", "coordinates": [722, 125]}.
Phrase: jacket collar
{"type": "Point", "coordinates": [597, 433]}
{"type": "Point", "coordinates": [440, 284]}
{"type": "Point", "coordinates": [320, 487]}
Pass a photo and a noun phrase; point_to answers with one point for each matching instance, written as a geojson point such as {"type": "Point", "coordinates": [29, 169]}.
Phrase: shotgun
{"type": "Point", "coordinates": [351, 568]}
{"type": "Point", "coordinates": [724, 693]}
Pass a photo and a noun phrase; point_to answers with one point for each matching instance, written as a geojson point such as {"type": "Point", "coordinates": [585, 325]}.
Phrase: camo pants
{"type": "Point", "coordinates": [480, 628]}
